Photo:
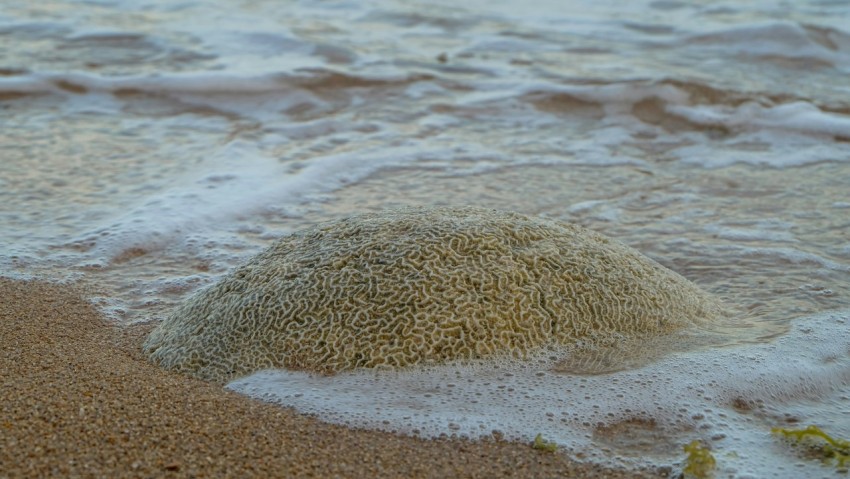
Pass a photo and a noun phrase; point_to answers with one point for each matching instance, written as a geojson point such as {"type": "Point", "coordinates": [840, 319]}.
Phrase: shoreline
{"type": "Point", "coordinates": [79, 399]}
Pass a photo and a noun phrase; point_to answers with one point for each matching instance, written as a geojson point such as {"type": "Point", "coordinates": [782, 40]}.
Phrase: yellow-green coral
{"type": "Point", "coordinates": [700, 462]}
{"type": "Point", "coordinates": [828, 446]}
{"type": "Point", "coordinates": [543, 444]}
{"type": "Point", "coordinates": [424, 286]}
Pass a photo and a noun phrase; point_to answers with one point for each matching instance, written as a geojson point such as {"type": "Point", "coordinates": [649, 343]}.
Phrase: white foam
{"type": "Point", "coordinates": [211, 82]}
{"type": "Point", "coordinates": [785, 150]}
{"type": "Point", "coordinates": [728, 398]}
{"type": "Point", "coordinates": [792, 134]}
{"type": "Point", "coordinates": [801, 117]}
{"type": "Point", "coordinates": [616, 98]}
{"type": "Point", "coordinates": [772, 230]}
{"type": "Point", "coordinates": [240, 183]}
{"type": "Point", "coordinates": [785, 39]}
{"type": "Point", "coordinates": [795, 256]}
{"type": "Point", "coordinates": [600, 210]}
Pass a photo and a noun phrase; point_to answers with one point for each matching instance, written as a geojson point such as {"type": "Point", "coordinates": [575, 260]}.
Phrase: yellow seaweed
{"type": "Point", "coordinates": [828, 446]}
{"type": "Point", "coordinates": [700, 462]}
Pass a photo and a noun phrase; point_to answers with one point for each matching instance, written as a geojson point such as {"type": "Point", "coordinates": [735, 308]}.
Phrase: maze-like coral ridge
{"type": "Point", "coordinates": [423, 286]}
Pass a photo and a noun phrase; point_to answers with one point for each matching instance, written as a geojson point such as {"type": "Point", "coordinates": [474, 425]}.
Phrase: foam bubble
{"type": "Point", "coordinates": [729, 398]}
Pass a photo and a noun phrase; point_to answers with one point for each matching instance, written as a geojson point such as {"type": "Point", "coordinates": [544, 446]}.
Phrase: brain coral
{"type": "Point", "coordinates": [423, 286]}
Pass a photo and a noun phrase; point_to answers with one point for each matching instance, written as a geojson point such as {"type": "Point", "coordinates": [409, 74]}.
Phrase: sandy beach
{"type": "Point", "coordinates": [79, 400]}
{"type": "Point", "coordinates": [150, 150]}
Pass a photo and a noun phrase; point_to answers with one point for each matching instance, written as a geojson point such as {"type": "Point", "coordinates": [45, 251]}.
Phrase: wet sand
{"type": "Point", "coordinates": [78, 399]}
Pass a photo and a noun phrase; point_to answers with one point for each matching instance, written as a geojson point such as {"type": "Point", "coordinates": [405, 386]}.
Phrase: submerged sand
{"type": "Point", "coordinates": [78, 399]}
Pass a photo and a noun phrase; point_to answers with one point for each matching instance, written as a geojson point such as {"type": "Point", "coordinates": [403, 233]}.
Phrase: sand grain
{"type": "Point", "coordinates": [78, 400]}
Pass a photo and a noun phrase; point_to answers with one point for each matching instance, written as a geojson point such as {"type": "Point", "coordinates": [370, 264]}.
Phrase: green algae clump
{"type": "Point", "coordinates": [425, 286]}
{"type": "Point", "coordinates": [544, 445]}
{"type": "Point", "coordinates": [826, 446]}
{"type": "Point", "coordinates": [700, 462]}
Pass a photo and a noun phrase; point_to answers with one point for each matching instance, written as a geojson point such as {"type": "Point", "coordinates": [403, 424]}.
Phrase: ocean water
{"type": "Point", "coordinates": [147, 148]}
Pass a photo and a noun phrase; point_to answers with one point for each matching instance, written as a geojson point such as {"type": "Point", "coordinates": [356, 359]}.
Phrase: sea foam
{"type": "Point", "coordinates": [729, 398]}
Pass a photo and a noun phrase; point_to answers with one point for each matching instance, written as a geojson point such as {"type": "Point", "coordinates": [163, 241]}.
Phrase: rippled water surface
{"type": "Point", "coordinates": [148, 147]}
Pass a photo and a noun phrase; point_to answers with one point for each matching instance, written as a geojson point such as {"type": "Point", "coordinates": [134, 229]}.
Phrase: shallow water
{"type": "Point", "coordinates": [149, 148]}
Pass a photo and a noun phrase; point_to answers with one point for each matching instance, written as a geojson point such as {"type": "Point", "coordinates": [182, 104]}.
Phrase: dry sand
{"type": "Point", "coordinates": [79, 400]}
